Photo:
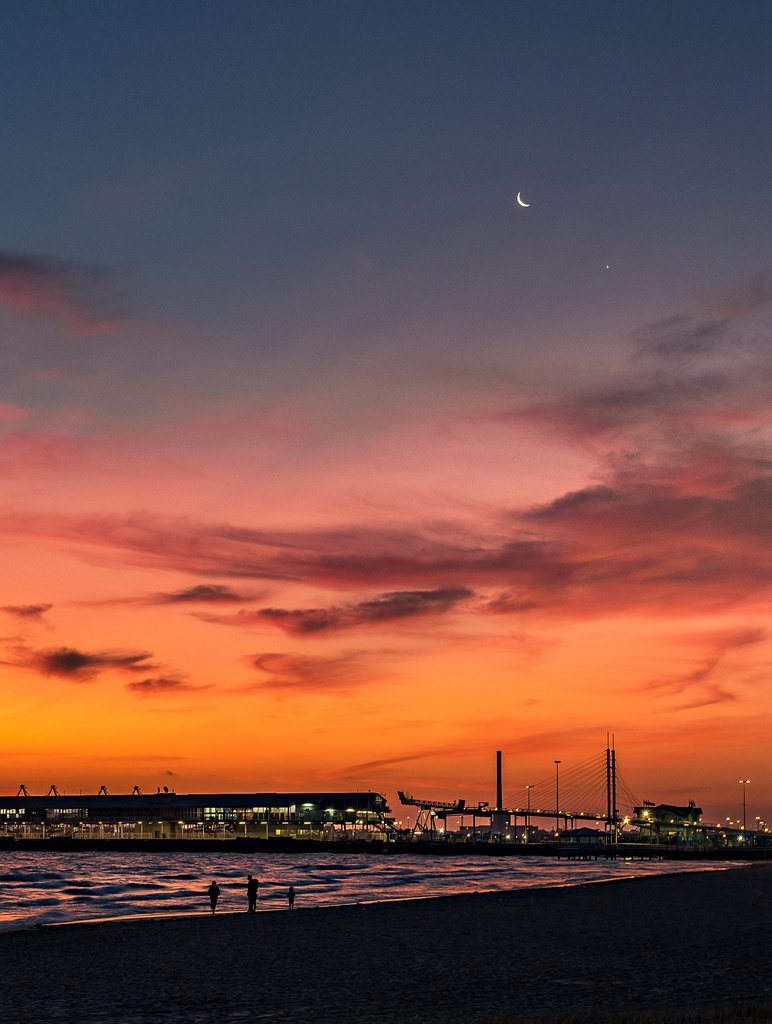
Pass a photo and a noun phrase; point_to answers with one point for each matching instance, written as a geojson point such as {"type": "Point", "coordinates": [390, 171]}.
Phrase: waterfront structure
{"type": "Point", "coordinates": [668, 823]}
{"type": "Point", "coordinates": [584, 836]}
{"type": "Point", "coordinates": [173, 815]}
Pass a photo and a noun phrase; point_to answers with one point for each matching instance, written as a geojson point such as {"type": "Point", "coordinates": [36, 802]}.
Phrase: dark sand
{"type": "Point", "coordinates": [671, 940]}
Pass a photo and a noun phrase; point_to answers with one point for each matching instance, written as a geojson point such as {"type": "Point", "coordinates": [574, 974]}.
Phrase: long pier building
{"type": "Point", "coordinates": [166, 814]}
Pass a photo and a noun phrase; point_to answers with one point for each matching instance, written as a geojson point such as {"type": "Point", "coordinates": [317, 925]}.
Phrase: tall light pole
{"type": "Point", "coordinates": [744, 783]}
{"type": "Point", "coordinates": [528, 818]}
{"type": "Point", "coordinates": [557, 796]}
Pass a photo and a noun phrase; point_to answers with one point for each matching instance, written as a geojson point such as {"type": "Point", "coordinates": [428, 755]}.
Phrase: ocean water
{"type": "Point", "coordinates": [55, 887]}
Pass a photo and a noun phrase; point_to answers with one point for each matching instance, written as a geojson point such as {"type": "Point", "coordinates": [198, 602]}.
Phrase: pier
{"type": "Point", "coordinates": [597, 786]}
{"type": "Point", "coordinates": [362, 821]}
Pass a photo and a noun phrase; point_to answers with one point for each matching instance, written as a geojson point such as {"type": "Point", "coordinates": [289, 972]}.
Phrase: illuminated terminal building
{"type": "Point", "coordinates": [667, 822]}
{"type": "Point", "coordinates": [164, 815]}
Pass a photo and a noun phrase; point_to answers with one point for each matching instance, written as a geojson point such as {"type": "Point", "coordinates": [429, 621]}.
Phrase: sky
{"type": "Point", "coordinates": [327, 465]}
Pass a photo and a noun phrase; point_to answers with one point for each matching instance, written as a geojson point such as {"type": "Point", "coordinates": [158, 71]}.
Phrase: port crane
{"type": "Point", "coordinates": [431, 809]}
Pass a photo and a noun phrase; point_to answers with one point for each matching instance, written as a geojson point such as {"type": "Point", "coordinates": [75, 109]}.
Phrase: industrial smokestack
{"type": "Point", "coordinates": [499, 798]}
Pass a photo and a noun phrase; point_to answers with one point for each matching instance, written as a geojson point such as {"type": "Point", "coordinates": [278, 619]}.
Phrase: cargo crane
{"type": "Point", "coordinates": [431, 809]}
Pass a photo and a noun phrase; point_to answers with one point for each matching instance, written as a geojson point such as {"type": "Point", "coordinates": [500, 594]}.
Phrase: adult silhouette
{"type": "Point", "coordinates": [214, 892]}
{"type": "Point", "coordinates": [253, 885]}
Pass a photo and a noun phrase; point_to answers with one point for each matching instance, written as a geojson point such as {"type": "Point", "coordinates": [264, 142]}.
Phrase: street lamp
{"type": "Point", "coordinates": [528, 817]}
{"type": "Point", "coordinates": [744, 783]}
{"type": "Point", "coordinates": [557, 796]}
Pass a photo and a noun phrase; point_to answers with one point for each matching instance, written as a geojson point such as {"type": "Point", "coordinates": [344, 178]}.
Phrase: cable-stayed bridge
{"type": "Point", "coordinates": [588, 791]}
{"type": "Point", "coordinates": [591, 791]}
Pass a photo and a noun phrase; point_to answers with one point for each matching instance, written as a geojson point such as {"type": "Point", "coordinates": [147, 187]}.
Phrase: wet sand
{"type": "Point", "coordinates": [668, 940]}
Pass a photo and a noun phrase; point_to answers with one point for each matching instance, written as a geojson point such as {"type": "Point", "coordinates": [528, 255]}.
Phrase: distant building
{"type": "Point", "coordinates": [668, 823]}
{"type": "Point", "coordinates": [158, 815]}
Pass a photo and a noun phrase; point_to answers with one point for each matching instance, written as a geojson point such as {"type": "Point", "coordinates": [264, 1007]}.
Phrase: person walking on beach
{"type": "Point", "coordinates": [214, 892]}
{"type": "Point", "coordinates": [253, 885]}
{"type": "Point", "coordinates": [291, 898]}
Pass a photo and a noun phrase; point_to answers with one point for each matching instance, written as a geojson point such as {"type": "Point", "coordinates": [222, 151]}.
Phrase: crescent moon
{"type": "Point", "coordinates": [521, 201]}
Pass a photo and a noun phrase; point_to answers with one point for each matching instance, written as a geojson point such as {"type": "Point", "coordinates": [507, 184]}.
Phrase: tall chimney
{"type": "Point", "coordinates": [499, 798]}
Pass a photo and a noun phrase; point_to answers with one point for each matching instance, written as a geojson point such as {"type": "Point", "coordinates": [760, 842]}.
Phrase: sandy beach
{"type": "Point", "coordinates": [672, 940]}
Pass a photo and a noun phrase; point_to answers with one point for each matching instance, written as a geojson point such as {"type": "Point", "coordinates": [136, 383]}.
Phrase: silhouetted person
{"type": "Point", "coordinates": [252, 886]}
{"type": "Point", "coordinates": [214, 892]}
{"type": "Point", "coordinates": [291, 898]}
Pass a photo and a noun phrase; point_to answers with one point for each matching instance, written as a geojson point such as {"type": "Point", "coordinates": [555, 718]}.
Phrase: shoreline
{"type": "Point", "coordinates": [379, 848]}
{"type": "Point", "coordinates": [688, 938]}
{"type": "Point", "coordinates": [175, 915]}
{"type": "Point", "coordinates": [627, 871]}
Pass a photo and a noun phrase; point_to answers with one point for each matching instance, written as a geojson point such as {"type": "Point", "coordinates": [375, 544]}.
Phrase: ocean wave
{"type": "Point", "coordinates": [19, 876]}
{"type": "Point", "coordinates": [43, 887]}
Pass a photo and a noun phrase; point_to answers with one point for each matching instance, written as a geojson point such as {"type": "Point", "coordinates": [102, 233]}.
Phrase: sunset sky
{"type": "Point", "coordinates": [327, 465]}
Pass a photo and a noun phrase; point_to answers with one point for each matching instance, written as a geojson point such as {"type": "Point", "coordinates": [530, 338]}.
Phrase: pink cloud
{"type": "Point", "coordinates": [675, 521]}
{"type": "Point", "coordinates": [26, 451]}
{"type": "Point", "coordinates": [663, 538]}
{"type": "Point", "coordinates": [12, 413]}
{"type": "Point", "coordinates": [65, 293]}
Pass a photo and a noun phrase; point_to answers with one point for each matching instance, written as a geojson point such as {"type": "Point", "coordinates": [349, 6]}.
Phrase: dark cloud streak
{"type": "Point", "coordinates": [34, 612]}
{"type": "Point", "coordinates": [75, 665]}
{"type": "Point", "coordinates": [203, 593]}
{"type": "Point", "coordinates": [155, 686]}
{"type": "Point", "coordinates": [389, 607]}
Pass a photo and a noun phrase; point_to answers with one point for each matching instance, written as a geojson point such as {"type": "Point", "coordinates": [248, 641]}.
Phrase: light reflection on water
{"type": "Point", "coordinates": [48, 887]}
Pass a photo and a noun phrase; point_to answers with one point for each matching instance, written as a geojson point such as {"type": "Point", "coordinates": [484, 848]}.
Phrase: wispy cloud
{"type": "Point", "coordinates": [202, 593]}
{"type": "Point", "coordinates": [358, 770]}
{"type": "Point", "coordinates": [70, 294]}
{"type": "Point", "coordinates": [355, 557]}
{"type": "Point", "coordinates": [311, 674]}
{"type": "Point", "coordinates": [743, 298]}
{"type": "Point", "coordinates": [12, 413]}
{"type": "Point", "coordinates": [675, 520]}
{"type": "Point", "coordinates": [627, 410]}
{"type": "Point", "coordinates": [709, 680]}
{"type": "Point", "coordinates": [27, 612]}
{"type": "Point", "coordinates": [661, 535]}
{"type": "Point", "coordinates": [681, 337]}
{"type": "Point", "coordinates": [405, 604]}
{"type": "Point", "coordinates": [155, 686]}
{"type": "Point", "coordinates": [687, 372]}
{"type": "Point", "coordinates": [73, 664]}
{"type": "Point", "coordinates": [23, 452]}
